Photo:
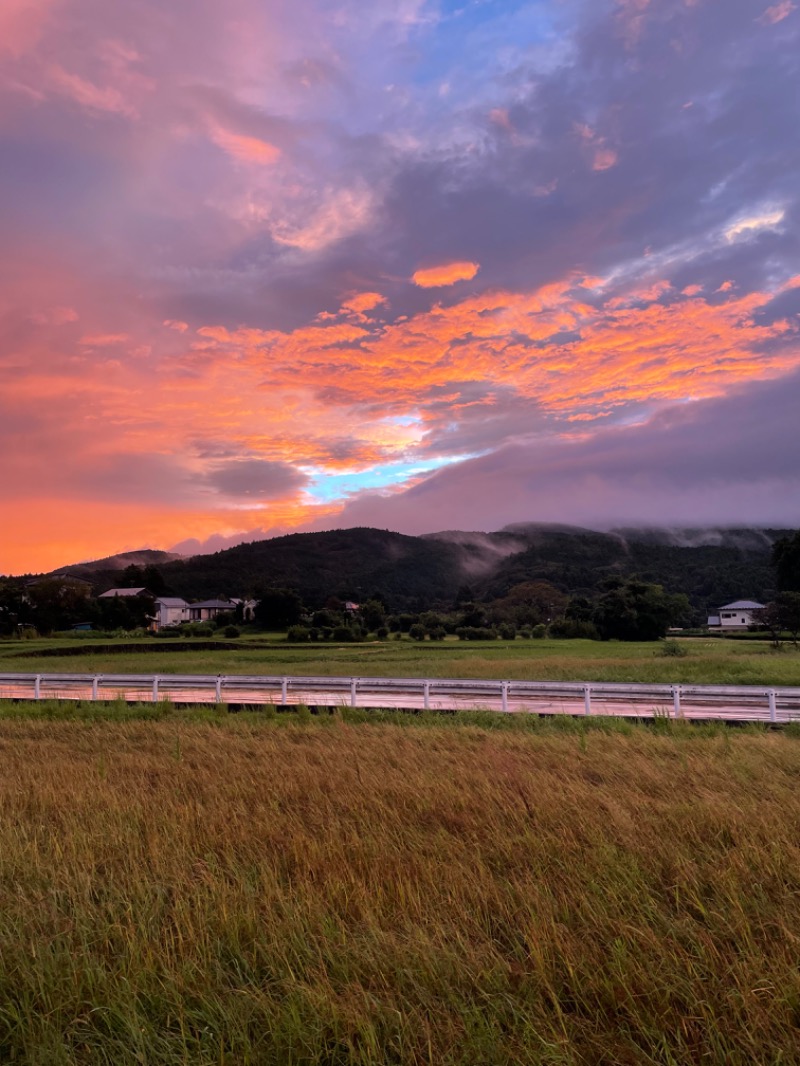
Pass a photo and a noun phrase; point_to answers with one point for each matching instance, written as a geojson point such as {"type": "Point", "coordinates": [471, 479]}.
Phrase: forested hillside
{"type": "Point", "coordinates": [416, 573]}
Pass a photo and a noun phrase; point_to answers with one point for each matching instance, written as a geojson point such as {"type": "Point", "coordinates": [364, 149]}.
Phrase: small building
{"type": "Point", "coordinates": [735, 617]}
{"type": "Point", "coordinates": [170, 611]}
{"type": "Point", "coordinates": [113, 593]}
{"type": "Point", "coordinates": [207, 610]}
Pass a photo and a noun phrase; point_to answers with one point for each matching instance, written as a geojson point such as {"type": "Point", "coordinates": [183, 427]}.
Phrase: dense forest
{"type": "Point", "coordinates": [438, 570]}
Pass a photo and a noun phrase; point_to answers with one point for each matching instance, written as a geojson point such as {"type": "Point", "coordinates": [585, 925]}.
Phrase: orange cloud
{"type": "Point", "coordinates": [364, 301]}
{"type": "Point", "coordinates": [339, 394]}
{"type": "Point", "coordinates": [446, 274]}
{"type": "Point", "coordinates": [622, 354]}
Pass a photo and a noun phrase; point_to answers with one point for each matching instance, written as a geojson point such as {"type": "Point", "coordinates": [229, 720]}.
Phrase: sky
{"type": "Point", "coordinates": [272, 266]}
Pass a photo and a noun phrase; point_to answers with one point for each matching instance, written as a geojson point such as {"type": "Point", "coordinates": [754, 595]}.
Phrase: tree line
{"type": "Point", "coordinates": [621, 608]}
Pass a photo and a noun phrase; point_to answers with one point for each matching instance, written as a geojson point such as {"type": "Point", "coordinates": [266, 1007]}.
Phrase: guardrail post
{"type": "Point", "coordinates": [676, 700]}
{"type": "Point", "coordinates": [353, 689]}
{"type": "Point", "coordinates": [155, 689]}
{"type": "Point", "coordinates": [94, 687]}
{"type": "Point", "coordinates": [218, 689]}
{"type": "Point", "coordinates": [426, 695]}
{"type": "Point", "coordinates": [773, 705]}
{"type": "Point", "coordinates": [587, 699]}
{"type": "Point", "coordinates": [284, 690]}
{"type": "Point", "coordinates": [37, 687]}
{"type": "Point", "coordinates": [504, 696]}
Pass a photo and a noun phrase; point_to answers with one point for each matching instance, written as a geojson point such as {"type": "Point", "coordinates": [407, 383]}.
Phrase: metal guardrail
{"type": "Point", "coordinates": [744, 703]}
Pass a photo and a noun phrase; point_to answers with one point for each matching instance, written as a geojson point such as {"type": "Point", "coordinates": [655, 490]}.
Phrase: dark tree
{"type": "Point", "coordinates": [153, 581]}
{"type": "Point", "coordinates": [278, 609]}
{"type": "Point", "coordinates": [769, 618]}
{"type": "Point", "coordinates": [132, 577]}
{"type": "Point", "coordinates": [372, 615]}
{"type": "Point", "coordinates": [789, 607]}
{"type": "Point", "coordinates": [636, 610]}
{"type": "Point", "coordinates": [781, 615]}
{"type": "Point", "coordinates": [786, 560]}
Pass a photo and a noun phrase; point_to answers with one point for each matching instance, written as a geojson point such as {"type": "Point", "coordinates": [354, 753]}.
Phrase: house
{"type": "Point", "coordinates": [207, 610]}
{"type": "Point", "coordinates": [736, 617]}
{"type": "Point", "coordinates": [247, 608]}
{"type": "Point", "coordinates": [170, 611]}
{"type": "Point", "coordinates": [113, 593]}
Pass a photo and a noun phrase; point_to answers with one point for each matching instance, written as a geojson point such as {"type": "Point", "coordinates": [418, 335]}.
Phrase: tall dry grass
{"type": "Point", "coordinates": [240, 892]}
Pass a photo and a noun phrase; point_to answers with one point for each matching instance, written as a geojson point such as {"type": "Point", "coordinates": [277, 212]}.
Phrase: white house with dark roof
{"type": "Point", "coordinates": [735, 617]}
{"type": "Point", "coordinates": [170, 611]}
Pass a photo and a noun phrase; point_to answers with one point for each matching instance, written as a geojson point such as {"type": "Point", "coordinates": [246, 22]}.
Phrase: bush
{"type": "Point", "coordinates": [507, 631]}
{"type": "Point", "coordinates": [475, 633]}
{"type": "Point", "coordinates": [197, 629]}
{"type": "Point", "coordinates": [417, 631]}
{"type": "Point", "coordinates": [673, 649]}
{"type": "Point", "coordinates": [231, 632]}
{"type": "Point", "coordinates": [574, 629]}
{"type": "Point", "coordinates": [382, 633]}
{"type": "Point", "coordinates": [298, 635]}
{"type": "Point", "coordinates": [345, 634]}
{"type": "Point", "coordinates": [437, 633]}
{"type": "Point", "coordinates": [539, 632]}
{"type": "Point", "coordinates": [167, 632]}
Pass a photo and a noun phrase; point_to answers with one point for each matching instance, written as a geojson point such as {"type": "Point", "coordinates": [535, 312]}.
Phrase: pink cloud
{"type": "Point", "coordinates": [22, 23]}
{"type": "Point", "coordinates": [86, 94]}
{"type": "Point", "coordinates": [778, 12]}
{"type": "Point", "coordinates": [604, 158]}
{"type": "Point", "coordinates": [244, 148]}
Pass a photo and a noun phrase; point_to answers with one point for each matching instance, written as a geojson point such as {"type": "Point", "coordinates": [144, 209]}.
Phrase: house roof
{"type": "Point", "coordinates": [742, 605]}
{"type": "Point", "coordinates": [121, 592]}
{"type": "Point", "coordinates": [224, 605]}
{"type": "Point", "coordinates": [172, 601]}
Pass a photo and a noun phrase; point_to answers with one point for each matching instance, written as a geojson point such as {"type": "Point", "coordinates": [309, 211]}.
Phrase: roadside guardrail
{"type": "Point", "coordinates": [744, 703]}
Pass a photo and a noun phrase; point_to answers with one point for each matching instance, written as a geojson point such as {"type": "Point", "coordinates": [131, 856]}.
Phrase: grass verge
{"type": "Point", "coordinates": [204, 888]}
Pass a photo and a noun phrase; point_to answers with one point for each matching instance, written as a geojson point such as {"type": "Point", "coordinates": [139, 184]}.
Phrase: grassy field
{"type": "Point", "coordinates": [289, 892]}
{"type": "Point", "coordinates": [709, 661]}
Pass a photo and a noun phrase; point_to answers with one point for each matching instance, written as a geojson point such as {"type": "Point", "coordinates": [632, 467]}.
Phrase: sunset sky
{"type": "Point", "coordinates": [417, 264]}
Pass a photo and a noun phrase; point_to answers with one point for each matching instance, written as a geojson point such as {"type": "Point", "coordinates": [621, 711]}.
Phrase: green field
{"type": "Point", "coordinates": [706, 661]}
{"type": "Point", "coordinates": [349, 892]}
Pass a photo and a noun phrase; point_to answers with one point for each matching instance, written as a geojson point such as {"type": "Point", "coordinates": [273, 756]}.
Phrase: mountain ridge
{"type": "Point", "coordinates": [712, 566]}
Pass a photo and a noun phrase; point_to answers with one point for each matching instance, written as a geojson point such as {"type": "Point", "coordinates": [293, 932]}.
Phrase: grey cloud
{"type": "Point", "coordinates": [255, 478]}
{"type": "Point", "coordinates": [786, 305]}
{"type": "Point", "coordinates": [724, 460]}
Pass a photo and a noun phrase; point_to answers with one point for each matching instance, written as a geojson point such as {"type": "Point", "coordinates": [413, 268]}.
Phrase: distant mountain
{"type": "Point", "coordinates": [747, 540]}
{"type": "Point", "coordinates": [112, 563]}
{"type": "Point", "coordinates": [712, 566]}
